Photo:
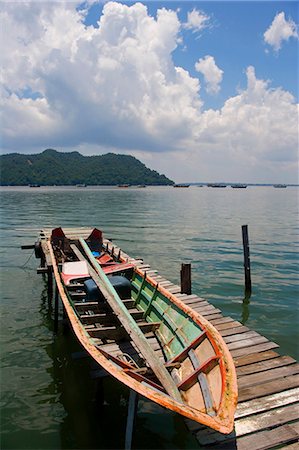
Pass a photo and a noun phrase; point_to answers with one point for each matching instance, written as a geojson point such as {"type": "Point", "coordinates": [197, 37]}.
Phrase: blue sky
{"type": "Point", "coordinates": [200, 91]}
{"type": "Point", "coordinates": [235, 38]}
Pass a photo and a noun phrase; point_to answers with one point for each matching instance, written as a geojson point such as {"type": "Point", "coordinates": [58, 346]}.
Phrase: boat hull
{"type": "Point", "coordinates": [191, 349]}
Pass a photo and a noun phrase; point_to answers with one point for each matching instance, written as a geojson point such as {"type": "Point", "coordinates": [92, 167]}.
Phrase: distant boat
{"type": "Point", "coordinates": [217, 185]}
{"type": "Point", "coordinates": [34, 185]}
{"type": "Point", "coordinates": [81, 185]}
{"type": "Point", "coordinates": [279, 185]}
{"type": "Point", "coordinates": [141, 186]}
{"type": "Point", "coordinates": [181, 185]}
{"type": "Point", "coordinates": [123, 185]}
{"type": "Point", "coordinates": [239, 186]}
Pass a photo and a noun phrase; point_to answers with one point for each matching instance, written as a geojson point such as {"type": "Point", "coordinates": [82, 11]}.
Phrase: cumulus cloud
{"type": "Point", "coordinates": [196, 20]}
{"type": "Point", "coordinates": [212, 74]}
{"type": "Point", "coordinates": [116, 87]}
{"type": "Point", "coordinates": [280, 30]}
{"type": "Point", "coordinates": [115, 84]}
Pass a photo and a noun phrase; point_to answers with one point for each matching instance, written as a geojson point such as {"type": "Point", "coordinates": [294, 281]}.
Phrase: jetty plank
{"type": "Point", "coordinates": [253, 358]}
{"type": "Point", "coordinates": [264, 440]}
{"type": "Point", "coordinates": [264, 365]}
{"type": "Point", "coordinates": [232, 330]}
{"type": "Point", "coordinates": [267, 403]}
{"type": "Point", "coordinates": [258, 422]}
{"type": "Point", "coordinates": [253, 349]}
{"type": "Point", "coordinates": [274, 374]}
{"type": "Point", "coordinates": [270, 387]}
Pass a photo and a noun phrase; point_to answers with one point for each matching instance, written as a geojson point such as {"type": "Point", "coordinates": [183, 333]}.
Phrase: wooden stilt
{"type": "Point", "coordinates": [186, 279]}
{"type": "Point", "coordinates": [132, 410]}
{"type": "Point", "coordinates": [56, 305]}
{"type": "Point", "coordinates": [50, 283]}
{"type": "Point", "coordinates": [246, 258]}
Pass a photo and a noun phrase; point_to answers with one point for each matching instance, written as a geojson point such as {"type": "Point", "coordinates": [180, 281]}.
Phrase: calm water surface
{"type": "Point", "coordinates": [48, 398]}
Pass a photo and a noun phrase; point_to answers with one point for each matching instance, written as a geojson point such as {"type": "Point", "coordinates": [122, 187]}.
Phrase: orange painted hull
{"type": "Point", "coordinates": [203, 369]}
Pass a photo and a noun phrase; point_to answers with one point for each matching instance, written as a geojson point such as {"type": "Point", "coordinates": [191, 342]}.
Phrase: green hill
{"type": "Point", "coordinates": [55, 168]}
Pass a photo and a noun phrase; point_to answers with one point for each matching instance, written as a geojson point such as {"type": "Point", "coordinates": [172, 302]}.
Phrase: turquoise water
{"type": "Point", "coordinates": [48, 398]}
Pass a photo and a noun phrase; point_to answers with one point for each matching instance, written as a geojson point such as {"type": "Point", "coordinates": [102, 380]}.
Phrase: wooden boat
{"type": "Point", "coordinates": [217, 185]}
{"type": "Point", "coordinates": [142, 334]}
{"type": "Point", "coordinates": [239, 186]}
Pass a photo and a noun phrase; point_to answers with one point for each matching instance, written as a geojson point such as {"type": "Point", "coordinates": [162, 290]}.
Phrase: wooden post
{"type": "Point", "coordinates": [132, 410]}
{"type": "Point", "coordinates": [56, 305]}
{"type": "Point", "coordinates": [246, 258]}
{"type": "Point", "coordinates": [186, 279]}
{"type": "Point", "coordinates": [50, 283]}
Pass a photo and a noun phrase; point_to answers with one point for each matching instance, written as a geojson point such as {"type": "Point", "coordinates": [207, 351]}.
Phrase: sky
{"type": "Point", "coordinates": [199, 91]}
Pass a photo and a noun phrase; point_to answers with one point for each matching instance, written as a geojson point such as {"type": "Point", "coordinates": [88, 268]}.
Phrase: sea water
{"type": "Point", "coordinates": [48, 398]}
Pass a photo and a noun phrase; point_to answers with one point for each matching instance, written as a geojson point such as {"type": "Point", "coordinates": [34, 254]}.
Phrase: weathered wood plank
{"type": "Point", "coordinates": [263, 440]}
{"type": "Point", "coordinates": [253, 349]}
{"type": "Point", "coordinates": [221, 320]}
{"type": "Point", "coordinates": [46, 253]}
{"type": "Point", "coordinates": [215, 315]}
{"type": "Point", "coordinates": [253, 424]}
{"type": "Point", "coordinates": [241, 336]}
{"type": "Point", "coordinates": [254, 358]}
{"type": "Point", "coordinates": [249, 393]}
{"type": "Point", "coordinates": [173, 289]}
{"type": "Point", "coordinates": [185, 297]}
{"type": "Point", "coordinates": [228, 324]}
{"type": "Point", "coordinates": [265, 365]}
{"type": "Point", "coordinates": [267, 403]}
{"type": "Point", "coordinates": [195, 301]}
{"type": "Point", "coordinates": [268, 375]}
{"type": "Point", "coordinates": [234, 330]}
{"type": "Point", "coordinates": [205, 309]}
{"type": "Point", "coordinates": [247, 342]}
{"type": "Point", "coordinates": [210, 312]}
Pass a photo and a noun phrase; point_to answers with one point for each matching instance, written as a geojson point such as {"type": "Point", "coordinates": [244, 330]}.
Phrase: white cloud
{"type": "Point", "coordinates": [115, 84]}
{"type": "Point", "coordinates": [212, 74]}
{"type": "Point", "coordinates": [196, 21]}
{"type": "Point", "coordinates": [116, 88]}
{"type": "Point", "coordinates": [280, 30]}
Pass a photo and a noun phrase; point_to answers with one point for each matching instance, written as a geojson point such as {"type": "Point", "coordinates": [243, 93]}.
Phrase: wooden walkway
{"type": "Point", "coordinates": [267, 416]}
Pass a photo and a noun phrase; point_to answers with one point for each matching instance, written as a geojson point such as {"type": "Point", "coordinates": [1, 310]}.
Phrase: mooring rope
{"type": "Point", "coordinates": [27, 261]}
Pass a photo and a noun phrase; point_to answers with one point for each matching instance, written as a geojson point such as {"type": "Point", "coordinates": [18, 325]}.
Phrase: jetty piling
{"type": "Point", "coordinates": [246, 259]}
{"type": "Point", "coordinates": [186, 279]}
{"type": "Point", "coordinates": [56, 308]}
{"type": "Point", "coordinates": [132, 411]}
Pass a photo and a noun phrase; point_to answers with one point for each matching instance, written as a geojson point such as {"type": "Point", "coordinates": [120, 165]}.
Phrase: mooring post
{"type": "Point", "coordinates": [246, 258]}
{"type": "Point", "coordinates": [132, 410]}
{"type": "Point", "coordinates": [186, 279]}
{"type": "Point", "coordinates": [56, 305]}
{"type": "Point", "coordinates": [50, 283]}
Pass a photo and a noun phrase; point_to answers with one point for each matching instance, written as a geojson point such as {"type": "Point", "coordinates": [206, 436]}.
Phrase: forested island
{"type": "Point", "coordinates": [61, 169]}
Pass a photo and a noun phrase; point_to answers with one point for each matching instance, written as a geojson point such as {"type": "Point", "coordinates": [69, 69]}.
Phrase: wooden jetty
{"type": "Point", "coordinates": [267, 416]}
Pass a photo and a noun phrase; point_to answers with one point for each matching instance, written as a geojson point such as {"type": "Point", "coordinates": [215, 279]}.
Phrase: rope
{"type": "Point", "coordinates": [27, 261]}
